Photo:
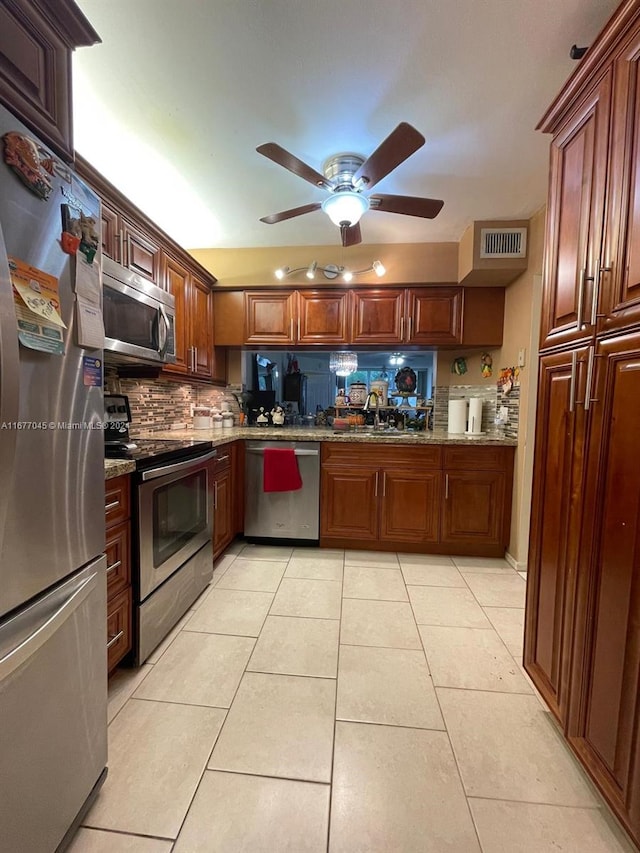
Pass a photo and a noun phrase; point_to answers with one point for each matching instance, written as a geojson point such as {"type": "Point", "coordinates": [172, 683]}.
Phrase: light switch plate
{"type": "Point", "coordinates": [521, 357]}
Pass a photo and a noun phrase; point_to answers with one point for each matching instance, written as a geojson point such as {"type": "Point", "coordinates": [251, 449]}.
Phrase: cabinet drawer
{"type": "Point", "coordinates": [222, 462]}
{"type": "Point", "coordinates": [116, 500]}
{"type": "Point", "coordinates": [118, 551]}
{"type": "Point", "coordinates": [118, 628]}
{"type": "Point", "coordinates": [477, 458]}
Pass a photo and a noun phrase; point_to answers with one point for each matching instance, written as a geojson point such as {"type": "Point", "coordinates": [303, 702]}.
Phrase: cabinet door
{"type": "Point", "coordinates": [377, 316]}
{"type": "Point", "coordinates": [604, 727]}
{"type": "Point", "coordinates": [473, 509]}
{"type": "Point", "coordinates": [111, 245]}
{"type": "Point", "coordinates": [349, 504]}
{"type": "Point", "coordinates": [434, 315]}
{"type": "Point", "coordinates": [574, 220]}
{"type": "Point", "coordinates": [35, 71]}
{"type": "Point", "coordinates": [201, 325]}
{"type": "Point", "coordinates": [175, 279]}
{"type": "Point", "coordinates": [410, 506]}
{"type": "Point", "coordinates": [222, 511]}
{"type": "Point", "coordinates": [620, 262]}
{"type": "Point", "coordinates": [270, 318]}
{"type": "Point", "coordinates": [322, 317]}
{"type": "Point", "coordinates": [555, 525]}
{"type": "Point", "coordinates": [140, 253]}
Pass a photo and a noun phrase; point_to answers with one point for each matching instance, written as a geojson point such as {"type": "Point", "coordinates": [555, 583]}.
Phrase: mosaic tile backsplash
{"type": "Point", "coordinates": [492, 401]}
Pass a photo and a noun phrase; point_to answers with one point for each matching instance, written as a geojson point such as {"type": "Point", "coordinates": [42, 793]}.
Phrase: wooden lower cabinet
{"type": "Point", "coordinates": [228, 495]}
{"type": "Point", "coordinates": [399, 501]}
{"type": "Point", "coordinates": [118, 551]}
{"type": "Point", "coordinates": [604, 704]}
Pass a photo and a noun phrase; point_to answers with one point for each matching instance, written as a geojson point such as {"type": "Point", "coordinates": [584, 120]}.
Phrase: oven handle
{"type": "Point", "coordinates": [154, 473]}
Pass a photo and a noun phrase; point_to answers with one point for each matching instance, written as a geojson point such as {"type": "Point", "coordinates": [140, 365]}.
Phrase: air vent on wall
{"type": "Point", "coordinates": [493, 253]}
{"type": "Point", "coordinates": [503, 242]}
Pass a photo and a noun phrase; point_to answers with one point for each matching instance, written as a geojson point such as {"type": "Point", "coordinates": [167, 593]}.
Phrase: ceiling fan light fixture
{"type": "Point", "coordinates": [396, 358]}
{"type": "Point", "coordinates": [379, 268]}
{"type": "Point", "coordinates": [345, 207]}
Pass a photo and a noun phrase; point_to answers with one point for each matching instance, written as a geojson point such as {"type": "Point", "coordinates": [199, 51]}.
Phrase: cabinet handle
{"type": "Point", "coordinates": [115, 639]}
{"type": "Point", "coordinates": [588, 399]}
{"type": "Point", "coordinates": [114, 566]}
{"type": "Point", "coordinates": [446, 487]}
{"type": "Point", "coordinates": [215, 495]}
{"type": "Point", "coordinates": [402, 328]}
{"type": "Point", "coordinates": [291, 331]}
{"type": "Point", "coordinates": [384, 484]}
{"type": "Point", "coordinates": [596, 292]}
{"type": "Point", "coordinates": [111, 506]}
{"type": "Point", "coordinates": [195, 359]}
{"type": "Point", "coordinates": [583, 273]}
{"type": "Point", "coordinates": [222, 458]}
{"type": "Point", "coordinates": [572, 388]}
{"type": "Point", "coordinates": [409, 319]}
{"type": "Point", "coordinates": [375, 494]}
{"type": "Point", "coordinates": [298, 328]}
{"type": "Point", "coordinates": [121, 246]}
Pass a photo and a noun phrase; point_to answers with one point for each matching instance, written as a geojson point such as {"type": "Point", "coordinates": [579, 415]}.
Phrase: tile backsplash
{"type": "Point", "coordinates": [491, 398]}
{"type": "Point", "coordinates": [161, 404]}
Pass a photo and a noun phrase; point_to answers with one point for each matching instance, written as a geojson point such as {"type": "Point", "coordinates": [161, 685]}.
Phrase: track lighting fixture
{"type": "Point", "coordinates": [330, 271]}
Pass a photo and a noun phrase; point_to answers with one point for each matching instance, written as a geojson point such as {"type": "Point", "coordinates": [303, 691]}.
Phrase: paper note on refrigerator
{"type": "Point", "coordinates": [87, 280]}
{"type": "Point", "coordinates": [37, 307]}
{"type": "Point", "coordinates": [90, 325]}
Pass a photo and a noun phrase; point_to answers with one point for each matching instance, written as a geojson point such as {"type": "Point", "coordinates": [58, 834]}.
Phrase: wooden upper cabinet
{"type": "Point", "coordinates": [36, 42]}
{"type": "Point", "coordinates": [270, 317]}
{"type": "Point", "coordinates": [378, 316]}
{"type": "Point", "coordinates": [201, 324]}
{"type": "Point", "coordinates": [574, 220]}
{"type": "Point", "coordinates": [434, 315]}
{"type": "Point", "coordinates": [620, 261]}
{"type": "Point", "coordinates": [176, 281]}
{"type": "Point", "coordinates": [111, 245]}
{"type": "Point", "coordinates": [141, 254]}
{"type": "Point", "coordinates": [322, 317]}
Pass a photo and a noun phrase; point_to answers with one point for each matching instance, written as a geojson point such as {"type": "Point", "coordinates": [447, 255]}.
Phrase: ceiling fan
{"type": "Point", "coordinates": [346, 176]}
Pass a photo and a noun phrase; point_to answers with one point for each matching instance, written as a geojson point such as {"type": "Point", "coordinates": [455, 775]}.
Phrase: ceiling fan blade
{"type": "Point", "coordinates": [400, 144]}
{"type": "Point", "coordinates": [289, 214]}
{"type": "Point", "coordinates": [351, 234]}
{"type": "Point", "coordinates": [427, 208]}
{"type": "Point", "coordinates": [284, 158]}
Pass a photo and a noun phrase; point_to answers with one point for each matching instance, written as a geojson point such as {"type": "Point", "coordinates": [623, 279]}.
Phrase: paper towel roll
{"type": "Point", "coordinates": [475, 415]}
{"type": "Point", "coordinates": [457, 416]}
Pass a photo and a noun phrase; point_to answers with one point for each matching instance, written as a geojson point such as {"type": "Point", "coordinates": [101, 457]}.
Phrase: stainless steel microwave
{"type": "Point", "coordinates": [139, 317]}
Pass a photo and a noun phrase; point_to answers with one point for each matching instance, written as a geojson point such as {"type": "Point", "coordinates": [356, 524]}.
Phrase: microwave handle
{"type": "Point", "coordinates": [163, 338]}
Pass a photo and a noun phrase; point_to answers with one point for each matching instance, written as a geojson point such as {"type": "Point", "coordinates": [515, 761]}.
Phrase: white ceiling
{"type": "Point", "coordinates": [171, 106]}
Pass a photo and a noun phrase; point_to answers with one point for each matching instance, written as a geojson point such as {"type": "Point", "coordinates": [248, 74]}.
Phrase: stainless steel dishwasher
{"type": "Point", "coordinates": [282, 515]}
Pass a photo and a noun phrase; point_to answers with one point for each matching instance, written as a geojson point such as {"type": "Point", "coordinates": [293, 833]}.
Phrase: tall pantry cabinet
{"type": "Point", "coordinates": [582, 632]}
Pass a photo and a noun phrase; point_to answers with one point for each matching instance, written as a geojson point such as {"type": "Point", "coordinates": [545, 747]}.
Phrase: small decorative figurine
{"type": "Point", "coordinates": [341, 399]}
{"type": "Point", "coordinates": [262, 419]}
{"type": "Point", "coordinates": [486, 365]}
{"type": "Point", "coordinates": [277, 415]}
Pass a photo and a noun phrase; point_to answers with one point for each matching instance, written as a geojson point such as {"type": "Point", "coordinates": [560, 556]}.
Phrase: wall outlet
{"type": "Point", "coordinates": [521, 357]}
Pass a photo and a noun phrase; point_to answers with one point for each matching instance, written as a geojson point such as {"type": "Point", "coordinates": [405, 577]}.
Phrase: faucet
{"type": "Point", "coordinates": [367, 405]}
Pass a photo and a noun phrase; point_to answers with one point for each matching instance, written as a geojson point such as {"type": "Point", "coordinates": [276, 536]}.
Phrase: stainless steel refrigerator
{"type": "Point", "coordinates": [53, 662]}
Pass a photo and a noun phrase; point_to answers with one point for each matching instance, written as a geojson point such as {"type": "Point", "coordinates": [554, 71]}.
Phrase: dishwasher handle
{"type": "Point", "coordinates": [260, 451]}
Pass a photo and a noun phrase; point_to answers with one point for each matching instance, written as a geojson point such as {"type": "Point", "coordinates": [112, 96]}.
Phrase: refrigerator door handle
{"type": "Point", "coordinates": [9, 385]}
{"type": "Point", "coordinates": [52, 623]}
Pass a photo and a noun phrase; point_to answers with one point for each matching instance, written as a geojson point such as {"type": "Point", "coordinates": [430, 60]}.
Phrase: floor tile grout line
{"type": "Point", "coordinates": [128, 833]}
{"type": "Point", "coordinates": [391, 725]}
{"type": "Point", "coordinates": [335, 715]}
{"type": "Point", "coordinates": [448, 734]}
{"type": "Point", "coordinates": [595, 807]}
{"type": "Point", "coordinates": [255, 775]}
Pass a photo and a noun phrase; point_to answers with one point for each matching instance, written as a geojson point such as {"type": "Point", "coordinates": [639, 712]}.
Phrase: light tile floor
{"type": "Point", "coordinates": [350, 702]}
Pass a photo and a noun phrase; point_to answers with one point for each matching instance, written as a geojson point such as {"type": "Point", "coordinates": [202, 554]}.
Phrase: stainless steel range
{"type": "Point", "coordinates": [172, 555]}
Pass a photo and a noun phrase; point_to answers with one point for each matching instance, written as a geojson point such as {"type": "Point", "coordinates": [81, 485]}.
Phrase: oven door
{"type": "Point", "coordinates": [174, 517]}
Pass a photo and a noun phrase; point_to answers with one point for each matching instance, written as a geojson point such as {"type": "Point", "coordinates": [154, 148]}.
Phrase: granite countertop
{"type": "Point", "coordinates": [224, 436]}
{"type": "Point", "coordinates": [117, 467]}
